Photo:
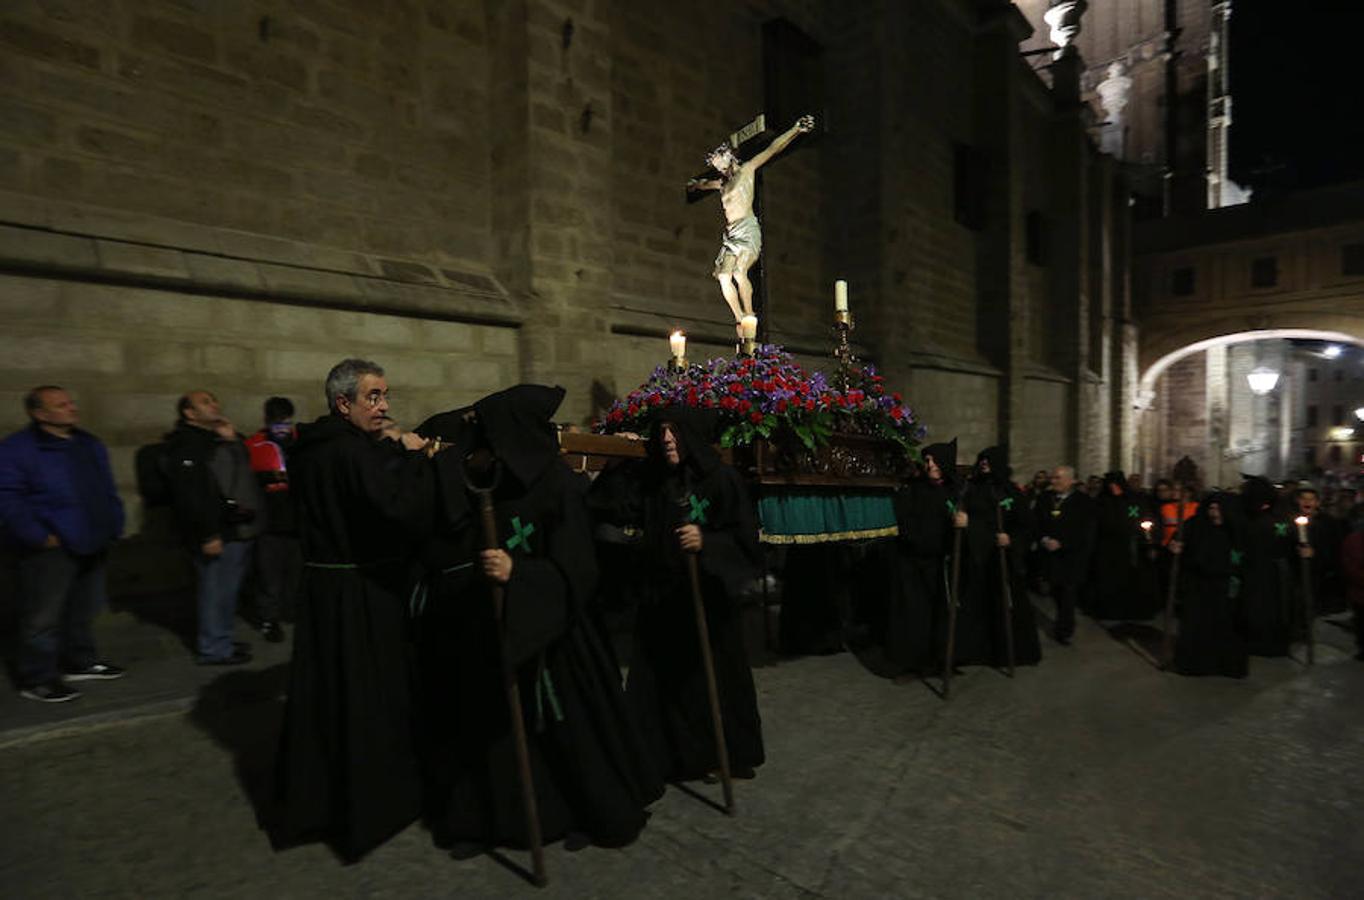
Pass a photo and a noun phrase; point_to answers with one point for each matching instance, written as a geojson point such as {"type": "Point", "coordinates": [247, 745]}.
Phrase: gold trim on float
{"type": "Point", "coordinates": [890, 531]}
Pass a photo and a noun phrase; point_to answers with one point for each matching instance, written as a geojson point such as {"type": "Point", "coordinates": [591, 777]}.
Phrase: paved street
{"type": "Point", "coordinates": [1092, 775]}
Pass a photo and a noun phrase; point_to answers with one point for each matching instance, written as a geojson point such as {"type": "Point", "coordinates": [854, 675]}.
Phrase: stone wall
{"type": "Point", "coordinates": [234, 195]}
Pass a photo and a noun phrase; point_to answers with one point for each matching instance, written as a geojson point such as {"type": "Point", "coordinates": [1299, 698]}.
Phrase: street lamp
{"type": "Point", "coordinates": [1359, 413]}
{"type": "Point", "coordinates": [1262, 380]}
{"type": "Point", "coordinates": [1332, 351]}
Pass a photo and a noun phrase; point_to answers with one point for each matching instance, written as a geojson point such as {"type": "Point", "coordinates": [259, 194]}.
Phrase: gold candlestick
{"type": "Point", "coordinates": [843, 329]}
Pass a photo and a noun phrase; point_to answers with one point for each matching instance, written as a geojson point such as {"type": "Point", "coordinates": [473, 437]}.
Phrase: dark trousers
{"type": "Point", "coordinates": [278, 571]}
{"type": "Point", "coordinates": [220, 581]}
{"type": "Point", "coordinates": [1064, 595]}
{"type": "Point", "coordinates": [59, 595]}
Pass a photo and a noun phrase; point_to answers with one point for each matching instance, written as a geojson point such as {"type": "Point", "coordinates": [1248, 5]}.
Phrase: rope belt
{"type": "Point", "coordinates": [416, 603]}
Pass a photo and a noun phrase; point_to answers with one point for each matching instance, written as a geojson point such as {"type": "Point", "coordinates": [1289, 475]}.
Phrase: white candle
{"type": "Point", "coordinates": [840, 296]}
{"type": "Point", "coordinates": [748, 325]}
{"type": "Point", "coordinates": [1301, 522]}
{"type": "Point", "coordinates": [1146, 525]}
{"type": "Point", "coordinates": [678, 341]}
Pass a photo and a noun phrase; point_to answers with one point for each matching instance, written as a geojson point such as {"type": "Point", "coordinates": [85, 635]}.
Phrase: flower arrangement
{"type": "Point", "coordinates": [769, 394]}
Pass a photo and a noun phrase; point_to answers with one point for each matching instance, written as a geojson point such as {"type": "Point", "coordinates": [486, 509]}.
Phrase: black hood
{"type": "Point", "coordinates": [695, 432]}
{"type": "Point", "coordinates": [516, 424]}
{"type": "Point", "coordinates": [1118, 478]}
{"type": "Point", "coordinates": [1257, 495]}
{"type": "Point", "coordinates": [998, 458]}
{"type": "Point", "coordinates": [945, 455]}
{"type": "Point", "coordinates": [323, 429]}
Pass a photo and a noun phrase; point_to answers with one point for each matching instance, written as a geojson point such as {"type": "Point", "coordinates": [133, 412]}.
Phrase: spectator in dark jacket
{"type": "Point", "coordinates": [59, 507]}
{"type": "Point", "coordinates": [1352, 569]}
{"type": "Point", "coordinates": [219, 509]}
{"type": "Point", "coordinates": [1067, 527]}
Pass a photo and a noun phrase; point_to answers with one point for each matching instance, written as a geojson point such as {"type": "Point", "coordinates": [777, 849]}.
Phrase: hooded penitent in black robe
{"type": "Point", "coordinates": [590, 770]}
{"type": "Point", "coordinates": [1123, 580]}
{"type": "Point", "coordinates": [348, 768]}
{"type": "Point", "coordinates": [916, 612]}
{"type": "Point", "coordinates": [1266, 590]}
{"type": "Point", "coordinates": [666, 688]}
{"type": "Point", "coordinates": [1212, 637]}
{"type": "Point", "coordinates": [989, 498]}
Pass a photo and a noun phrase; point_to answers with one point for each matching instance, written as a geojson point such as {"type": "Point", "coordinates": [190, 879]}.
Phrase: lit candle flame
{"type": "Point", "coordinates": [678, 342]}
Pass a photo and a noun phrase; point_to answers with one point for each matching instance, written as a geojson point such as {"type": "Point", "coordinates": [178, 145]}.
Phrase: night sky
{"type": "Point", "coordinates": [1298, 117]}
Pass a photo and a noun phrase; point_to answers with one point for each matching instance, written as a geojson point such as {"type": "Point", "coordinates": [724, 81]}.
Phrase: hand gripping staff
{"type": "Point", "coordinates": [692, 512]}
{"type": "Point", "coordinates": [509, 682]}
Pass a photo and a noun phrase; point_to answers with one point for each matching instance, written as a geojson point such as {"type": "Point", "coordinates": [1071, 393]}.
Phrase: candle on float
{"type": "Point", "coordinates": [840, 296]}
{"type": "Point", "coordinates": [1146, 525]}
{"type": "Point", "coordinates": [1301, 522]}
{"type": "Point", "coordinates": [678, 342]}
{"type": "Point", "coordinates": [748, 327]}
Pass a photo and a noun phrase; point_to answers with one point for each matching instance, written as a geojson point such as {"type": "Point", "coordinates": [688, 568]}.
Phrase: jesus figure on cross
{"type": "Point", "coordinates": [743, 239]}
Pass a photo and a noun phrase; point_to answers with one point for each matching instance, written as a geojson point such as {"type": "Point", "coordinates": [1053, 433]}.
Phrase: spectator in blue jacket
{"type": "Point", "coordinates": [59, 507]}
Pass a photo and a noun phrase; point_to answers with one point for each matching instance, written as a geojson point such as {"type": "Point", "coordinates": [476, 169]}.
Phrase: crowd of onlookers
{"type": "Point", "coordinates": [1291, 550]}
{"type": "Point", "coordinates": [60, 512]}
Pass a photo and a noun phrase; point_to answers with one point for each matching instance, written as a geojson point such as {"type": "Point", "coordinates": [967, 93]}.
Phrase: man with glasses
{"type": "Point", "coordinates": [347, 770]}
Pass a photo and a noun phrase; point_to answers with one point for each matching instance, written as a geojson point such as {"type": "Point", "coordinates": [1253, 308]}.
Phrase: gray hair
{"type": "Point", "coordinates": [345, 376]}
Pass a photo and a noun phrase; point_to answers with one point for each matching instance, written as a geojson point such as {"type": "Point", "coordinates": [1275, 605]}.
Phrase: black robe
{"type": "Point", "coordinates": [1212, 637]}
{"type": "Point", "coordinates": [666, 688]}
{"type": "Point", "coordinates": [347, 769]}
{"type": "Point", "coordinates": [590, 770]}
{"type": "Point", "coordinates": [1267, 593]}
{"type": "Point", "coordinates": [982, 581]}
{"type": "Point", "coordinates": [1123, 582]}
{"type": "Point", "coordinates": [916, 614]}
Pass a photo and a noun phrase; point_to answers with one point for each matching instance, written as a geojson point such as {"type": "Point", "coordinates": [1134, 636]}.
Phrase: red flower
{"type": "Point", "coordinates": [708, 403]}
{"type": "Point", "coordinates": [633, 409]}
{"type": "Point", "coordinates": [755, 417]}
{"type": "Point", "coordinates": [744, 406]}
{"type": "Point", "coordinates": [781, 406]}
{"type": "Point", "coordinates": [895, 397]}
{"type": "Point", "coordinates": [897, 413]}
{"type": "Point", "coordinates": [736, 388]}
{"type": "Point", "coordinates": [810, 404]}
{"type": "Point", "coordinates": [728, 403]}
{"type": "Point", "coordinates": [615, 415]}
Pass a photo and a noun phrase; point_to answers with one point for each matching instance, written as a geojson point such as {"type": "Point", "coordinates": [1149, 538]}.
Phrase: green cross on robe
{"type": "Point", "coordinates": [1006, 503]}
{"type": "Point", "coordinates": [522, 536]}
{"type": "Point", "coordinates": [1281, 529]}
{"type": "Point", "coordinates": [1236, 557]}
{"type": "Point", "coordinates": [697, 516]}
{"type": "Point", "coordinates": [1133, 512]}
{"type": "Point", "coordinates": [951, 507]}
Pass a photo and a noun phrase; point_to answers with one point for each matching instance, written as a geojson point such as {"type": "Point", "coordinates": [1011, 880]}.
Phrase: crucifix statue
{"type": "Point", "coordinates": [742, 241]}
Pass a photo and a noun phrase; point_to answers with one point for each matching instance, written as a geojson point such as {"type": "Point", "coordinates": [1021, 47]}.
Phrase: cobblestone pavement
{"type": "Point", "coordinates": [1092, 775]}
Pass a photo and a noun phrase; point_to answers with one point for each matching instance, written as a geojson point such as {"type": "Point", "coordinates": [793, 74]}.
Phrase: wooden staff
{"type": "Point", "coordinates": [1006, 591]}
{"type": "Point", "coordinates": [1167, 654]}
{"type": "Point", "coordinates": [708, 664]}
{"type": "Point", "coordinates": [512, 689]}
{"type": "Point", "coordinates": [1308, 601]}
{"type": "Point", "coordinates": [953, 596]}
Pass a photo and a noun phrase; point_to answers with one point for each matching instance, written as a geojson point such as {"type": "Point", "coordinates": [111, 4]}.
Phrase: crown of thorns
{"type": "Point", "coordinates": [721, 150]}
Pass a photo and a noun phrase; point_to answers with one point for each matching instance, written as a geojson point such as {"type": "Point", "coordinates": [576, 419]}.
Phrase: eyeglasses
{"type": "Point", "coordinates": [374, 398]}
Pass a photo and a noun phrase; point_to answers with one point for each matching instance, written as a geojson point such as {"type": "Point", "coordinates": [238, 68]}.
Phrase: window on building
{"type": "Point", "coordinates": [1264, 272]}
{"type": "Point", "coordinates": [1337, 415]}
{"type": "Point", "coordinates": [1182, 281]}
{"type": "Point", "coordinates": [1035, 237]}
{"type": "Point", "coordinates": [1334, 454]}
{"type": "Point", "coordinates": [1311, 374]}
{"type": "Point", "coordinates": [968, 186]}
{"type": "Point", "coordinates": [1312, 416]}
{"type": "Point", "coordinates": [1352, 259]}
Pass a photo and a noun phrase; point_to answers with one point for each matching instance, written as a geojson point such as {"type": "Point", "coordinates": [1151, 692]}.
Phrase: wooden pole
{"type": "Point", "coordinates": [1309, 609]}
{"type": "Point", "coordinates": [712, 689]}
{"type": "Point", "coordinates": [1167, 654]}
{"type": "Point", "coordinates": [1006, 592]}
{"type": "Point", "coordinates": [952, 597]}
{"type": "Point", "coordinates": [513, 692]}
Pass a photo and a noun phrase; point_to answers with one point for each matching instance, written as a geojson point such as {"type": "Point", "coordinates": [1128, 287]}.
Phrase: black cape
{"type": "Point", "coordinates": [591, 772]}
{"type": "Point", "coordinates": [1266, 590]}
{"type": "Point", "coordinates": [991, 499]}
{"type": "Point", "coordinates": [916, 612]}
{"type": "Point", "coordinates": [1124, 581]}
{"type": "Point", "coordinates": [1212, 638]}
{"type": "Point", "coordinates": [347, 769]}
{"type": "Point", "coordinates": [666, 688]}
